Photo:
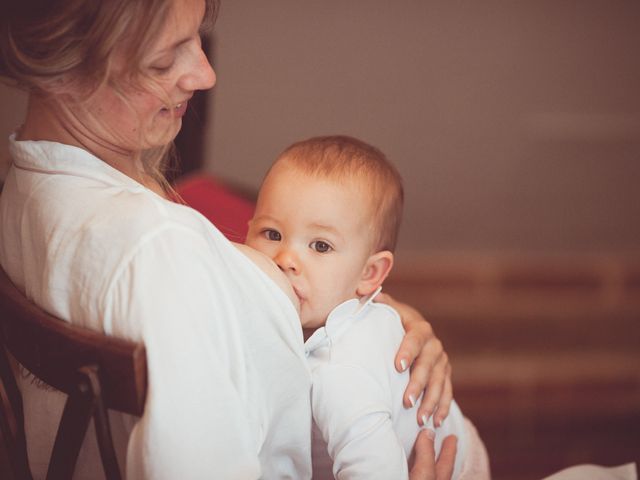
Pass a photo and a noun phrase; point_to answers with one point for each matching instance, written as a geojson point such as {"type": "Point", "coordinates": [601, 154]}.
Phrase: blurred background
{"type": "Point", "coordinates": [516, 127]}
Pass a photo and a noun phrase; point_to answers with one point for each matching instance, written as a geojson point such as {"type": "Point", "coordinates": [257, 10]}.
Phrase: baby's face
{"type": "Point", "coordinates": [318, 232]}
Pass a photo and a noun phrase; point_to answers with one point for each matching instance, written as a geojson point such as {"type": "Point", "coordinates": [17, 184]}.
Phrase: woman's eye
{"type": "Point", "coordinates": [163, 66]}
{"type": "Point", "coordinates": [320, 246]}
{"type": "Point", "coordinates": [273, 235]}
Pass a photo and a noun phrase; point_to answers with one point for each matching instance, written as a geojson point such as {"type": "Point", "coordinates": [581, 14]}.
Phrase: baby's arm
{"type": "Point", "coordinates": [354, 415]}
{"type": "Point", "coordinates": [270, 268]}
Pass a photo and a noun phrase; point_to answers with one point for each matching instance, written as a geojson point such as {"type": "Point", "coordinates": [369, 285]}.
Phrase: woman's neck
{"type": "Point", "coordinates": [47, 120]}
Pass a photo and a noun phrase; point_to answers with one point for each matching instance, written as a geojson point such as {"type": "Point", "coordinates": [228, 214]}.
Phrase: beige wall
{"type": "Point", "coordinates": [516, 125]}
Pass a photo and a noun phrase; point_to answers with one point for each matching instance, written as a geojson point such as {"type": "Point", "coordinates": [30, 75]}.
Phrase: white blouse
{"type": "Point", "coordinates": [228, 392]}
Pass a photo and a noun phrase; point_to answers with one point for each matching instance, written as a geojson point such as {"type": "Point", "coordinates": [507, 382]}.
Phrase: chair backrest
{"type": "Point", "coordinates": [96, 371]}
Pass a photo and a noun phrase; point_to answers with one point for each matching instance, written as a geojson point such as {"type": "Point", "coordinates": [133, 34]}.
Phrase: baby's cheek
{"type": "Point", "coordinates": [250, 241]}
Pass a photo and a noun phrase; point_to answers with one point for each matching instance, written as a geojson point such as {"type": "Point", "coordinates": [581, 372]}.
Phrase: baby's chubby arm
{"type": "Point", "coordinates": [352, 410]}
{"type": "Point", "coordinates": [270, 268]}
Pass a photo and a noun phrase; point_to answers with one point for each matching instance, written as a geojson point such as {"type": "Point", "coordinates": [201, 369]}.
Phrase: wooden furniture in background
{"type": "Point", "coordinates": [96, 371]}
{"type": "Point", "coordinates": [544, 351]}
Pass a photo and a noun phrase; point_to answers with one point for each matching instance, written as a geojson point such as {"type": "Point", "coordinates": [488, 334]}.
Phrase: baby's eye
{"type": "Point", "coordinates": [320, 246]}
{"type": "Point", "coordinates": [272, 235]}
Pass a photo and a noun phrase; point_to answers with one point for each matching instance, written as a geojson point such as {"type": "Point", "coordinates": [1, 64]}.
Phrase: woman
{"type": "Point", "coordinates": [89, 234]}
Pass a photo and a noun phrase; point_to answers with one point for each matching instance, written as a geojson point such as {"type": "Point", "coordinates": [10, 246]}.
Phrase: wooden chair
{"type": "Point", "coordinates": [96, 371]}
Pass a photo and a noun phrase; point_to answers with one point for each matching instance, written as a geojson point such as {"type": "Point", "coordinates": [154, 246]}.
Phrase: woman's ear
{"type": "Point", "coordinates": [374, 273]}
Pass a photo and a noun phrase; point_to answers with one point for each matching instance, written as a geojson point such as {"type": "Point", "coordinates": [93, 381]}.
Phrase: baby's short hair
{"type": "Point", "coordinates": [343, 158]}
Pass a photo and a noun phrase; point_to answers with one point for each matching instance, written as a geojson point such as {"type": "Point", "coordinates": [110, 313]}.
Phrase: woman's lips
{"type": "Point", "coordinates": [180, 109]}
{"type": "Point", "coordinates": [177, 111]}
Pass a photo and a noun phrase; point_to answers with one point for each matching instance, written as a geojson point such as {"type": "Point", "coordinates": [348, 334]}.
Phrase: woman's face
{"type": "Point", "coordinates": [136, 117]}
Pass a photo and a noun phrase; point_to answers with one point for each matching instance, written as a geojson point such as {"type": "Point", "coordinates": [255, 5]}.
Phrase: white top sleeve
{"type": "Point", "coordinates": [190, 393]}
{"type": "Point", "coordinates": [353, 413]}
{"type": "Point", "coordinates": [228, 385]}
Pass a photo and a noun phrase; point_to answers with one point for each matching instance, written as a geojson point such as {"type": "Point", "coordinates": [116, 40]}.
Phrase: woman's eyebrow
{"type": "Point", "coordinates": [174, 45]}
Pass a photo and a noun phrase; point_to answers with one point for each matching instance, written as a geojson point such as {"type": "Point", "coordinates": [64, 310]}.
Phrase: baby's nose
{"type": "Point", "coordinates": [287, 261]}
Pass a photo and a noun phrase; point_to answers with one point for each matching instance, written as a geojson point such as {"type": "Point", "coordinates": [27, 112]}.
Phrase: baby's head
{"type": "Point", "coordinates": [328, 214]}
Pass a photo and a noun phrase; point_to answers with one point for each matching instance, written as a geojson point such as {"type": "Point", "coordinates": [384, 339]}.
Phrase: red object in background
{"type": "Point", "coordinates": [229, 211]}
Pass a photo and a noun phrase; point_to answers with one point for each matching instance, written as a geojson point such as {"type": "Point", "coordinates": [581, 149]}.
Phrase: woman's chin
{"type": "Point", "coordinates": [162, 135]}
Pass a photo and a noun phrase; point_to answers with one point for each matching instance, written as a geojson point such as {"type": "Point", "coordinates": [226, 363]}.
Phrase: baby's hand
{"type": "Point", "coordinates": [269, 267]}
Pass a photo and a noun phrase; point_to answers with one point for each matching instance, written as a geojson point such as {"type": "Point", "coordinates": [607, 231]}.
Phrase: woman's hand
{"type": "Point", "coordinates": [421, 351]}
{"type": "Point", "coordinates": [425, 466]}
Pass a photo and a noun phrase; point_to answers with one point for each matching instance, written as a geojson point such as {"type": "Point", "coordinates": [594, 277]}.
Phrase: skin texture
{"type": "Point", "coordinates": [271, 269]}
{"type": "Point", "coordinates": [332, 217]}
{"type": "Point", "coordinates": [291, 233]}
{"type": "Point", "coordinates": [322, 243]}
{"type": "Point", "coordinates": [425, 465]}
{"type": "Point", "coordinates": [322, 247]}
{"type": "Point", "coordinates": [114, 125]}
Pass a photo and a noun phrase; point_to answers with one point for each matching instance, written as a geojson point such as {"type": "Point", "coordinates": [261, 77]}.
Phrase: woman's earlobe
{"type": "Point", "coordinates": [375, 272]}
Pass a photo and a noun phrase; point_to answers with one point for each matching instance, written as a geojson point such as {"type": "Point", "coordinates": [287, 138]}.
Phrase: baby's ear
{"type": "Point", "coordinates": [374, 272]}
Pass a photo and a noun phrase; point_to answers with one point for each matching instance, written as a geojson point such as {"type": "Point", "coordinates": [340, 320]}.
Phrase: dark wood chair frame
{"type": "Point", "coordinates": [96, 371]}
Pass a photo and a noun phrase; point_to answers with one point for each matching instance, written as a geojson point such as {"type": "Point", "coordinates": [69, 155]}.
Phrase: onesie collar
{"type": "Point", "coordinates": [338, 322]}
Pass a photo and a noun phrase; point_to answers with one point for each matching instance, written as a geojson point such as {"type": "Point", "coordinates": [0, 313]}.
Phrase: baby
{"type": "Point", "coordinates": [328, 214]}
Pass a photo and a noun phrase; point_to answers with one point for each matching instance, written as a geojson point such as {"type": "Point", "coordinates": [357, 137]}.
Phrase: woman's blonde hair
{"type": "Point", "coordinates": [53, 47]}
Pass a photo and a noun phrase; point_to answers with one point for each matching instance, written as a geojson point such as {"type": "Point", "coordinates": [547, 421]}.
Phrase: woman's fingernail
{"type": "Point", "coordinates": [403, 364]}
{"type": "Point", "coordinates": [431, 433]}
{"type": "Point", "coordinates": [427, 421]}
{"type": "Point", "coordinates": [412, 400]}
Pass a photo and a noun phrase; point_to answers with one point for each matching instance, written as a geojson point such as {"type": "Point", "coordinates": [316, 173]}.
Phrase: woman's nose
{"type": "Point", "coordinates": [200, 75]}
{"type": "Point", "coordinates": [287, 261]}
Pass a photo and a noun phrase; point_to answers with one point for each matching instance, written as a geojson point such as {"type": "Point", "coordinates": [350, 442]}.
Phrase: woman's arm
{"type": "Point", "coordinates": [430, 369]}
{"type": "Point", "coordinates": [195, 423]}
